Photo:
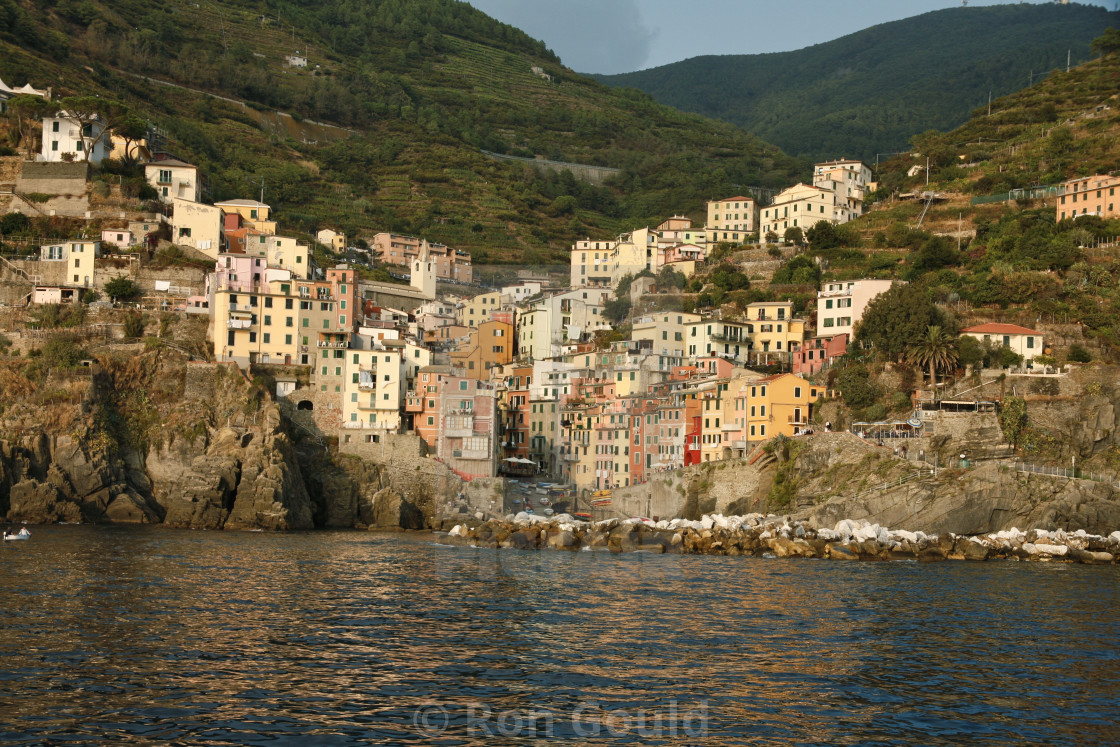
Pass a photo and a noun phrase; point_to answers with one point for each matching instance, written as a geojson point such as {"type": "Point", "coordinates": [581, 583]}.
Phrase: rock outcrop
{"type": "Point", "coordinates": [185, 469]}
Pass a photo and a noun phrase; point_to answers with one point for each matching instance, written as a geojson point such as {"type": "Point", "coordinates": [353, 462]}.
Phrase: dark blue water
{"type": "Point", "coordinates": [137, 635]}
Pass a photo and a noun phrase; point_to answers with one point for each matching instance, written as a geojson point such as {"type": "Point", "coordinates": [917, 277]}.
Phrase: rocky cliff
{"type": "Point", "coordinates": [155, 439]}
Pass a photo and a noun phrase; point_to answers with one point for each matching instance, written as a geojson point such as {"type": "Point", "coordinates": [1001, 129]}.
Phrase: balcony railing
{"type": "Point", "coordinates": [474, 454]}
{"type": "Point", "coordinates": [239, 323]}
{"type": "Point", "coordinates": [333, 343]}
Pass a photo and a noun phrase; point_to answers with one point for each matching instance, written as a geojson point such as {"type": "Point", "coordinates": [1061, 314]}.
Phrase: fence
{"type": "Point", "coordinates": [1072, 473]}
{"type": "Point", "coordinates": [912, 477]}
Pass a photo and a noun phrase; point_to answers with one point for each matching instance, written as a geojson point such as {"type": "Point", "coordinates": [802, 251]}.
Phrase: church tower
{"type": "Point", "coordinates": [424, 272]}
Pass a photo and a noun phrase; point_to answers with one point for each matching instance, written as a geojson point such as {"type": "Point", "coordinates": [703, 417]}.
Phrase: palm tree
{"type": "Point", "coordinates": [936, 349]}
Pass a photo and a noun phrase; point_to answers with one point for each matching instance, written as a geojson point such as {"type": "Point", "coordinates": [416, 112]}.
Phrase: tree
{"type": "Point", "coordinates": [895, 319]}
{"type": "Point", "coordinates": [28, 111]}
{"type": "Point", "coordinates": [936, 349]}
{"type": "Point", "coordinates": [616, 309]}
{"type": "Point", "coordinates": [969, 351]}
{"type": "Point", "coordinates": [132, 129]}
{"type": "Point", "coordinates": [1106, 43]}
{"type": "Point", "coordinates": [94, 117]}
{"type": "Point", "coordinates": [771, 237]}
{"type": "Point", "coordinates": [1013, 419]}
{"type": "Point", "coordinates": [794, 236]}
{"type": "Point", "coordinates": [122, 289]}
{"type": "Point", "coordinates": [133, 326]}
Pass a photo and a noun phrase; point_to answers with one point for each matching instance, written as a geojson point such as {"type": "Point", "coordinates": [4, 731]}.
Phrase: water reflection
{"type": "Point", "coordinates": [126, 634]}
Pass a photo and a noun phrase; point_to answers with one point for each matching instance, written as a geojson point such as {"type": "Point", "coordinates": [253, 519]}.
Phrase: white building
{"type": "Point", "coordinates": [848, 180]}
{"type": "Point", "coordinates": [840, 305]}
{"type": "Point", "coordinates": [64, 139]}
{"type": "Point", "coordinates": [801, 206]}
{"type": "Point", "coordinates": [174, 180]}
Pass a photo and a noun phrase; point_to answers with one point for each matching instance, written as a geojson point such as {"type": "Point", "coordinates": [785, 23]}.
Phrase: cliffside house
{"type": "Point", "coordinates": [65, 139]}
{"type": "Point", "coordinates": [1026, 342]}
{"type": "Point", "coordinates": [173, 179]}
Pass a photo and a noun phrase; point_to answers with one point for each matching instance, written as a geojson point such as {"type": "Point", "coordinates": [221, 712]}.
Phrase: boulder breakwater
{"type": "Point", "coordinates": [774, 536]}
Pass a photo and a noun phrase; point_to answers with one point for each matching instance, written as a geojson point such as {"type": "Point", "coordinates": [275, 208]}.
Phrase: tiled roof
{"type": "Point", "coordinates": [1001, 329]}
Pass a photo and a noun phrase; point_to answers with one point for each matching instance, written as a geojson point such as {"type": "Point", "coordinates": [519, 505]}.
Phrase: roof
{"type": "Point", "coordinates": [240, 203]}
{"type": "Point", "coordinates": [172, 162]}
{"type": "Point", "coordinates": [1001, 329]}
{"type": "Point", "coordinates": [740, 198]}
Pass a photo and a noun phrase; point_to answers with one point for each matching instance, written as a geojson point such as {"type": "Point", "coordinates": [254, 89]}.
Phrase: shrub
{"type": "Point", "coordinates": [133, 326]}
{"type": "Point", "coordinates": [1078, 354]}
{"type": "Point", "coordinates": [122, 289]}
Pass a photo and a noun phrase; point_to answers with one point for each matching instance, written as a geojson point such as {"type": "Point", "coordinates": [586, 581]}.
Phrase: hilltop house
{"type": "Point", "coordinates": [1026, 342]}
{"type": "Point", "coordinates": [173, 179]}
{"type": "Point", "coordinates": [732, 219]}
{"type": "Point", "coordinates": [64, 139]}
{"type": "Point", "coordinates": [1088, 195]}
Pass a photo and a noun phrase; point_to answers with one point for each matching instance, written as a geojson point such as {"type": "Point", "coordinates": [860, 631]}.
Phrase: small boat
{"type": "Point", "coordinates": [23, 534]}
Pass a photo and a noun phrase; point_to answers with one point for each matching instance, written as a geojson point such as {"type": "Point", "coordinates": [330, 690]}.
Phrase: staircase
{"type": "Point", "coordinates": [19, 278]}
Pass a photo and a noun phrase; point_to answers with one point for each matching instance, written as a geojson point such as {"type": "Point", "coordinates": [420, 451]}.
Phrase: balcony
{"type": "Point", "coordinates": [797, 420]}
{"type": "Point", "coordinates": [476, 454]}
{"type": "Point", "coordinates": [239, 323]}
{"type": "Point", "coordinates": [333, 343]}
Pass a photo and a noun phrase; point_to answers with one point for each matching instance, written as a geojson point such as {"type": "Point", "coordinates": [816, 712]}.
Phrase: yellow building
{"type": "Point", "coordinates": [773, 330]}
{"type": "Point", "coordinates": [666, 330]}
{"type": "Point", "coordinates": [267, 316]}
{"type": "Point", "coordinates": [801, 206]}
{"type": "Point", "coordinates": [477, 310]}
{"type": "Point", "coordinates": [375, 386]}
{"type": "Point", "coordinates": [253, 214]}
{"type": "Point", "coordinates": [732, 219]}
{"type": "Point", "coordinates": [334, 240]}
{"type": "Point", "coordinates": [197, 226]}
{"type": "Point", "coordinates": [489, 346]}
{"type": "Point", "coordinates": [780, 404]}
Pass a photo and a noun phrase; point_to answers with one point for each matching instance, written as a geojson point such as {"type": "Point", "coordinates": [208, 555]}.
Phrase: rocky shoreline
{"type": "Point", "coordinates": [774, 536]}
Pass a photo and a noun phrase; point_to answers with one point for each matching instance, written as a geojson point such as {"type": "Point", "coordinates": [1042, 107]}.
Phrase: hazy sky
{"type": "Point", "coordinates": [620, 36]}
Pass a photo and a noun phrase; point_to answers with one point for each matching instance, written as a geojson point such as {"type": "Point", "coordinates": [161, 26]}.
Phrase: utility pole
{"type": "Point", "coordinates": [960, 223]}
{"type": "Point", "coordinates": [1068, 52]}
{"type": "Point", "coordinates": [989, 102]}
{"type": "Point", "coordinates": [927, 171]}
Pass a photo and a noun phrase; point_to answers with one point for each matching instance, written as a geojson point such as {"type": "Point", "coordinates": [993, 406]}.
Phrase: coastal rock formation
{"type": "Point", "coordinates": [213, 457]}
{"type": "Point", "coordinates": [988, 498]}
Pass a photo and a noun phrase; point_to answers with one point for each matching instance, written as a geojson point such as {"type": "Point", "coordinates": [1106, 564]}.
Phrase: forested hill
{"type": "Point", "coordinates": [419, 88]}
{"type": "Point", "coordinates": [869, 92]}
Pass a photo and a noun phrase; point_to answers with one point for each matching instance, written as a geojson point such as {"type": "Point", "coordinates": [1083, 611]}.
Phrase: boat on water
{"type": "Point", "coordinates": [22, 534]}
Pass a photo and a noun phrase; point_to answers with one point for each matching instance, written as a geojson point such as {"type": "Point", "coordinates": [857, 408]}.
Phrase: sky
{"type": "Point", "coordinates": [621, 36]}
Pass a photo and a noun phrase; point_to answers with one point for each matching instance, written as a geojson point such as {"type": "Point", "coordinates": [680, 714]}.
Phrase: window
{"type": "Point", "coordinates": [267, 320]}
{"type": "Point", "coordinates": [797, 392]}
{"type": "Point", "coordinates": [267, 338]}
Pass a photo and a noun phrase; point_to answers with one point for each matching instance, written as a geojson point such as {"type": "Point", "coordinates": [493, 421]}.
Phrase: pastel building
{"type": "Point", "coordinates": [1022, 340]}
{"type": "Point", "coordinates": [732, 219]}
{"type": "Point", "coordinates": [840, 304]}
{"type": "Point", "coordinates": [801, 206]}
{"type": "Point", "coordinates": [849, 180]}
{"type": "Point", "coordinates": [253, 214]}
{"type": "Point", "coordinates": [65, 139]}
{"type": "Point", "coordinates": [197, 226]}
{"type": "Point", "coordinates": [174, 179]}
{"type": "Point", "coordinates": [1088, 195]}
{"type": "Point", "coordinates": [449, 264]}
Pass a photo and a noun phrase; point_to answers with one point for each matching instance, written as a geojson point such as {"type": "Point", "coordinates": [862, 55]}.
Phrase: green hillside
{"type": "Point", "coordinates": [869, 92]}
{"type": "Point", "coordinates": [389, 118]}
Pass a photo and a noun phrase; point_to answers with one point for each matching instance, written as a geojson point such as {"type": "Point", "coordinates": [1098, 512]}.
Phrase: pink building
{"type": "Point", "coordinates": [121, 238]}
{"type": "Point", "coordinates": [818, 353]}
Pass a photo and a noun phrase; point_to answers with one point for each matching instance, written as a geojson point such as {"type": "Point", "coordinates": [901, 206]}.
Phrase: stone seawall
{"type": "Point", "coordinates": [771, 536]}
